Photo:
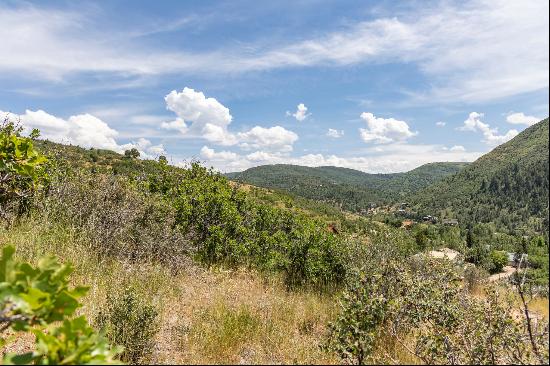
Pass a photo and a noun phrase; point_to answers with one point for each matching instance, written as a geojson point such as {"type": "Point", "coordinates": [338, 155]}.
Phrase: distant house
{"type": "Point", "coordinates": [450, 222]}
{"type": "Point", "coordinates": [515, 258]}
{"type": "Point", "coordinates": [429, 219]}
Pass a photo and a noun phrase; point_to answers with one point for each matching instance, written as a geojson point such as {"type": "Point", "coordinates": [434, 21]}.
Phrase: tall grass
{"type": "Point", "coordinates": [205, 315]}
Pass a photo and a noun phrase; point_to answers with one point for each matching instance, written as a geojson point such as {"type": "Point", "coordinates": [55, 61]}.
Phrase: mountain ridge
{"type": "Point", "coordinates": [507, 186]}
{"type": "Point", "coordinates": [349, 188]}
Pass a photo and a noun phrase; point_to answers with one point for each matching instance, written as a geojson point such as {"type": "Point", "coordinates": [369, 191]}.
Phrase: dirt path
{"type": "Point", "coordinates": [507, 271]}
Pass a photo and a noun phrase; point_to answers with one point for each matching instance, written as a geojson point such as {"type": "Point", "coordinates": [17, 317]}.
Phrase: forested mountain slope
{"type": "Point", "coordinates": [349, 188]}
{"type": "Point", "coordinates": [507, 186]}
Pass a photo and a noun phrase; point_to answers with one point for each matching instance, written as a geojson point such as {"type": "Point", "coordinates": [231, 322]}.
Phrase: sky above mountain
{"type": "Point", "coordinates": [379, 86]}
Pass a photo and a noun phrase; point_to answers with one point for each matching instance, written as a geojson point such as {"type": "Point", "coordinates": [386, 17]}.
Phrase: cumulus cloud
{"type": "Point", "coordinates": [211, 155]}
{"type": "Point", "coordinates": [300, 114]}
{"type": "Point", "coordinates": [146, 148]}
{"type": "Point", "coordinates": [335, 133]}
{"type": "Point", "coordinates": [382, 130]}
{"type": "Point", "coordinates": [84, 130]}
{"type": "Point", "coordinates": [199, 116]}
{"type": "Point", "coordinates": [440, 124]}
{"type": "Point", "coordinates": [272, 138]}
{"type": "Point", "coordinates": [522, 119]}
{"type": "Point", "coordinates": [490, 135]}
{"type": "Point", "coordinates": [206, 118]}
{"type": "Point", "coordinates": [178, 124]}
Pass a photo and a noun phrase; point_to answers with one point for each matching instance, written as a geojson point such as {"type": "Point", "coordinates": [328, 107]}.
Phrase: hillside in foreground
{"type": "Point", "coordinates": [507, 186]}
{"type": "Point", "coordinates": [184, 266]}
{"type": "Point", "coordinates": [350, 189]}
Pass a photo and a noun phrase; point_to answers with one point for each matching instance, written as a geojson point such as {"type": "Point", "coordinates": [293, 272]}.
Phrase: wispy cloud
{"type": "Point", "coordinates": [477, 51]}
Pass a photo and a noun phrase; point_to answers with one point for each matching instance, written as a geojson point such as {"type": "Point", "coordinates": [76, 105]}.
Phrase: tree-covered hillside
{"type": "Point", "coordinates": [508, 186]}
{"type": "Point", "coordinates": [351, 189]}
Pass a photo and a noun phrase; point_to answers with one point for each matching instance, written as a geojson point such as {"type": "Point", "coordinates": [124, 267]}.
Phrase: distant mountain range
{"type": "Point", "coordinates": [348, 188]}
{"type": "Point", "coordinates": [507, 186]}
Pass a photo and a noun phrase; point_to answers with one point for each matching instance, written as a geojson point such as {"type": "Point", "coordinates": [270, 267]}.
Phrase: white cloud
{"type": "Point", "coordinates": [440, 124]}
{"type": "Point", "coordinates": [207, 118]}
{"type": "Point", "coordinates": [83, 130]}
{"type": "Point", "coordinates": [522, 119]}
{"type": "Point", "coordinates": [476, 50]}
{"type": "Point", "coordinates": [178, 124]}
{"type": "Point", "coordinates": [335, 133]}
{"type": "Point", "coordinates": [491, 136]}
{"type": "Point", "coordinates": [382, 131]}
{"type": "Point", "coordinates": [211, 155]}
{"type": "Point", "coordinates": [457, 148]}
{"type": "Point", "coordinates": [146, 148]}
{"type": "Point", "coordinates": [300, 114]}
{"type": "Point", "coordinates": [199, 116]}
{"type": "Point", "coordinates": [272, 138]}
{"type": "Point", "coordinates": [379, 159]}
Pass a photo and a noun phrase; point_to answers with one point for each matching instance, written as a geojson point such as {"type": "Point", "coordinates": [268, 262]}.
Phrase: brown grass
{"type": "Point", "coordinates": [238, 317]}
{"type": "Point", "coordinates": [206, 316]}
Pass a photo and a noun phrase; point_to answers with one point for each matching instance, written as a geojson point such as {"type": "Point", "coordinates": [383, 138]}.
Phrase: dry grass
{"type": "Point", "coordinates": [206, 316]}
{"type": "Point", "coordinates": [539, 306]}
{"type": "Point", "coordinates": [238, 317]}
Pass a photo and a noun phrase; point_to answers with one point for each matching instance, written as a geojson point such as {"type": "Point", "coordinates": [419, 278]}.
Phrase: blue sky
{"type": "Point", "coordinates": [371, 85]}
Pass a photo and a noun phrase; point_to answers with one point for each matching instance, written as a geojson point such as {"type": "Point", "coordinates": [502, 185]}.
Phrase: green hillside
{"type": "Point", "coordinates": [351, 189]}
{"type": "Point", "coordinates": [186, 267]}
{"type": "Point", "coordinates": [508, 186]}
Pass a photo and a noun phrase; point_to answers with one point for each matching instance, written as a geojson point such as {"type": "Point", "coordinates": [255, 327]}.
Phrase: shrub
{"type": "Point", "coordinates": [473, 277]}
{"type": "Point", "coordinates": [114, 218]}
{"type": "Point", "coordinates": [36, 300]}
{"type": "Point", "coordinates": [21, 170]}
{"type": "Point", "coordinates": [424, 311]}
{"type": "Point", "coordinates": [130, 322]}
{"type": "Point", "coordinates": [228, 228]}
{"type": "Point", "coordinates": [498, 260]}
{"type": "Point", "coordinates": [133, 153]}
{"type": "Point", "coordinates": [364, 306]}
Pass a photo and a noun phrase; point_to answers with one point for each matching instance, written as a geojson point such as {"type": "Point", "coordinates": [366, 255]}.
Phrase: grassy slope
{"type": "Point", "coordinates": [509, 185]}
{"type": "Point", "coordinates": [350, 188]}
{"type": "Point", "coordinates": [211, 316]}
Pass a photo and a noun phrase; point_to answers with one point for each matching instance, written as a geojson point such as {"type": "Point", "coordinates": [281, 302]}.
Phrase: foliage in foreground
{"type": "Point", "coordinates": [21, 170]}
{"type": "Point", "coordinates": [39, 300]}
{"type": "Point", "coordinates": [422, 309]}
